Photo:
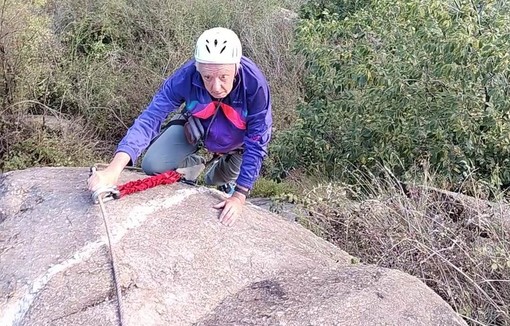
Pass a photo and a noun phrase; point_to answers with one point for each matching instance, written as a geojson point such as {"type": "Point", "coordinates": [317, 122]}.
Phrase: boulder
{"type": "Point", "coordinates": [177, 265]}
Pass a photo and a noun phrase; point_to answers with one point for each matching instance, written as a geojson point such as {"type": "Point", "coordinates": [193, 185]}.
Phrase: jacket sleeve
{"type": "Point", "coordinates": [148, 124]}
{"type": "Point", "coordinates": [259, 122]}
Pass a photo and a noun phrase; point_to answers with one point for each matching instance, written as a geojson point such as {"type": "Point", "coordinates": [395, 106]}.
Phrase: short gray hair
{"type": "Point", "coordinates": [197, 65]}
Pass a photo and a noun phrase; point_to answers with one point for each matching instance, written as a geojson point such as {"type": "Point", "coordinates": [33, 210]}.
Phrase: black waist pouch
{"type": "Point", "coordinates": [193, 130]}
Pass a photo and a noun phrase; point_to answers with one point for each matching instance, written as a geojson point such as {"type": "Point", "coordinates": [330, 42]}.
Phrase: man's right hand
{"type": "Point", "coordinates": [104, 178]}
{"type": "Point", "coordinates": [109, 176]}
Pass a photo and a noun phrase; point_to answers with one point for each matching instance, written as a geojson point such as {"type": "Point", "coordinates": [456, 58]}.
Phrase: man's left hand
{"type": "Point", "coordinates": [232, 208]}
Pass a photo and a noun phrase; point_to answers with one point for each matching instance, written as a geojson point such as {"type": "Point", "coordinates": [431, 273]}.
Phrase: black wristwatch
{"type": "Point", "coordinates": [246, 193]}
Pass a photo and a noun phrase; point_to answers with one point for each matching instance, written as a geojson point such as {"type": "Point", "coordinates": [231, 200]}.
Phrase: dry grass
{"type": "Point", "coordinates": [457, 245]}
{"type": "Point", "coordinates": [48, 139]}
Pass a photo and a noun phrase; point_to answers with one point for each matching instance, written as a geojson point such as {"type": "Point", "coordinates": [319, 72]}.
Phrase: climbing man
{"type": "Point", "coordinates": [226, 109]}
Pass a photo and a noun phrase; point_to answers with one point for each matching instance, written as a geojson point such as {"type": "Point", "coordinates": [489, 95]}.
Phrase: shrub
{"type": "Point", "coordinates": [40, 140]}
{"type": "Point", "coordinates": [269, 188]}
{"type": "Point", "coordinates": [27, 50]}
{"type": "Point", "coordinates": [399, 83]}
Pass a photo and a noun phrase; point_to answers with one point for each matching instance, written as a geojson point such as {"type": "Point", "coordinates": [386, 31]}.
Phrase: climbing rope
{"type": "Point", "coordinates": [149, 182]}
{"type": "Point", "coordinates": [101, 195]}
{"type": "Point", "coordinates": [112, 192]}
{"type": "Point", "coordinates": [118, 291]}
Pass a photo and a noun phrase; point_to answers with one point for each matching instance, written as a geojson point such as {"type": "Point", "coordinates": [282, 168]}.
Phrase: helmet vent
{"type": "Point", "coordinates": [207, 47]}
{"type": "Point", "coordinates": [223, 49]}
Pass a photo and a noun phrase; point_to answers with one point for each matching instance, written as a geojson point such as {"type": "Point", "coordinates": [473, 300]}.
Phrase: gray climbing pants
{"type": "Point", "coordinates": [171, 151]}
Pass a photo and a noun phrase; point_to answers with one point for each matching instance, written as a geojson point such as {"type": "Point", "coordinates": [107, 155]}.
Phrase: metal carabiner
{"type": "Point", "coordinates": [105, 193]}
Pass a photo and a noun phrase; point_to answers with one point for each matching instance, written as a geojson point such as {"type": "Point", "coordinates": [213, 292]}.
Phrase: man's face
{"type": "Point", "coordinates": [218, 78]}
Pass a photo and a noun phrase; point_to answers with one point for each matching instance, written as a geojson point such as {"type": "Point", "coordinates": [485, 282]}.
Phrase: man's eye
{"type": "Point", "coordinates": [223, 77]}
{"type": "Point", "coordinates": [207, 77]}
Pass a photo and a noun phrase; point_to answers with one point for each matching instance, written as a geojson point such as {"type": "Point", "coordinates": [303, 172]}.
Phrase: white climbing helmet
{"type": "Point", "coordinates": [218, 45]}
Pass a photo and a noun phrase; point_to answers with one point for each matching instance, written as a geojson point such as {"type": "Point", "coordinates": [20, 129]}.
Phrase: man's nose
{"type": "Point", "coordinates": [217, 85]}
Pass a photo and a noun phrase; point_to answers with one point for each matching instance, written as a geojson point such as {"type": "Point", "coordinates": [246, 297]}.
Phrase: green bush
{"type": "Point", "coordinates": [269, 188]}
{"type": "Point", "coordinates": [400, 83]}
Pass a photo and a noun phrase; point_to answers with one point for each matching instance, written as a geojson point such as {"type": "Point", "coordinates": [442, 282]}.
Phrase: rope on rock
{"type": "Point", "coordinates": [165, 178]}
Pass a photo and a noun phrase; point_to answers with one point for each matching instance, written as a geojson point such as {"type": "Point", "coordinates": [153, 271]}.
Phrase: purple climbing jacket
{"type": "Point", "coordinates": [243, 120]}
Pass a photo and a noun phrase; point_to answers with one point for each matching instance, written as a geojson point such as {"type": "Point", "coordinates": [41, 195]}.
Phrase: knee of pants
{"type": "Point", "coordinates": [152, 165]}
{"type": "Point", "coordinates": [212, 180]}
